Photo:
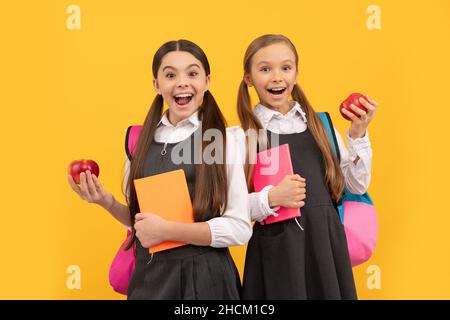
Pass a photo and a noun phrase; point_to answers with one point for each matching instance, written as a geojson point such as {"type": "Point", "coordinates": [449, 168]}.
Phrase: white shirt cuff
{"type": "Point", "coordinates": [227, 232]}
{"type": "Point", "coordinates": [263, 197]}
{"type": "Point", "coordinates": [357, 146]}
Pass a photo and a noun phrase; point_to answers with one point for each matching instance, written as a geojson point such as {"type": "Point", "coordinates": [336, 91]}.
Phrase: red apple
{"type": "Point", "coordinates": [352, 99]}
{"type": "Point", "coordinates": [78, 166]}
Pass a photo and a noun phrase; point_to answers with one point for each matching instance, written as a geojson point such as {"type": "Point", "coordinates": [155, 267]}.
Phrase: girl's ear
{"type": "Point", "coordinates": [208, 82]}
{"type": "Point", "coordinates": [156, 86]}
{"type": "Point", "coordinates": [248, 80]}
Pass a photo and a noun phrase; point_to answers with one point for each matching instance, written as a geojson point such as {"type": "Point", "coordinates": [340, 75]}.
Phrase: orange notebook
{"type": "Point", "coordinates": [166, 195]}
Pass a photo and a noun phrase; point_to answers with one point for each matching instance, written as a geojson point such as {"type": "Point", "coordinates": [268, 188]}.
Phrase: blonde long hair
{"type": "Point", "coordinates": [334, 177]}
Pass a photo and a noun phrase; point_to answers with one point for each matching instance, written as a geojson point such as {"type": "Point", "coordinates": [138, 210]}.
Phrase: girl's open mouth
{"type": "Point", "coordinates": [277, 91]}
{"type": "Point", "coordinates": [183, 99]}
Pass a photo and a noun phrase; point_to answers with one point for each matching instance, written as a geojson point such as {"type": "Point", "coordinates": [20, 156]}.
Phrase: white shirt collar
{"type": "Point", "coordinates": [266, 114]}
{"type": "Point", "coordinates": [193, 119]}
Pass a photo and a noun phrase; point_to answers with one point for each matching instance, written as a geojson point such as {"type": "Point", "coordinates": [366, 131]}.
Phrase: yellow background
{"type": "Point", "coordinates": [70, 94]}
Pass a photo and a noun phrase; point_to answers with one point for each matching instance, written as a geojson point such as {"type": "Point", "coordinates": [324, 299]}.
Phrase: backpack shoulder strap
{"type": "Point", "coordinates": [328, 125]}
{"type": "Point", "coordinates": [131, 139]}
{"type": "Point", "coordinates": [326, 120]}
{"type": "Point", "coordinates": [329, 129]}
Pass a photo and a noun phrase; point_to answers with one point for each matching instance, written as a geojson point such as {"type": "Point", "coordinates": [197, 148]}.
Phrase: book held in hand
{"type": "Point", "coordinates": [166, 195]}
{"type": "Point", "coordinates": [272, 165]}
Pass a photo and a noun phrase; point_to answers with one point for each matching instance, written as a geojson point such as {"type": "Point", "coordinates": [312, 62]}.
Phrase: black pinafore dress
{"type": "Point", "coordinates": [307, 258]}
{"type": "Point", "coordinates": [188, 272]}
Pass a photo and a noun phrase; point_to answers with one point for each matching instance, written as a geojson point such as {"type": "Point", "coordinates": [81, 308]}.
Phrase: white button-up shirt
{"type": "Point", "coordinates": [356, 163]}
{"type": "Point", "coordinates": [233, 227]}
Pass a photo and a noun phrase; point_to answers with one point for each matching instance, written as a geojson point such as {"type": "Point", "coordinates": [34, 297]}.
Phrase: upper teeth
{"type": "Point", "coordinates": [277, 89]}
{"type": "Point", "coordinates": [184, 95]}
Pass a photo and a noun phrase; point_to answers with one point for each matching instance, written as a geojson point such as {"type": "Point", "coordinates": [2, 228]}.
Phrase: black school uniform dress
{"type": "Point", "coordinates": [188, 272]}
{"type": "Point", "coordinates": [285, 262]}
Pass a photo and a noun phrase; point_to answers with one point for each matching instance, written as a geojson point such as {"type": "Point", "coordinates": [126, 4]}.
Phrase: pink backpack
{"type": "Point", "coordinates": [357, 212]}
{"type": "Point", "coordinates": [122, 266]}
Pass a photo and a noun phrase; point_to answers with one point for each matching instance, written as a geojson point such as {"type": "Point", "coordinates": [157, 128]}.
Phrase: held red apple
{"type": "Point", "coordinates": [78, 166]}
{"type": "Point", "coordinates": [352, 99]}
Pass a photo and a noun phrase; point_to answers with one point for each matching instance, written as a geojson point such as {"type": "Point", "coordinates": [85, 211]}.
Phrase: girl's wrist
{"type": "Point", "coordinates": [272, 198]}
{"type": "Point", "coordinates": [357, 133]}
{"type": "Point", "coordinates": [109, 205]}
{"type": "Point", "coordinates": [168, 230]}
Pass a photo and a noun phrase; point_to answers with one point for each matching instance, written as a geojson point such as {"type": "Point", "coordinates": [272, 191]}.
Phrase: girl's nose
{"type": "Point", "coordinates": [276, 76]}
{"type": "Point", "coordinates": [182, 82]}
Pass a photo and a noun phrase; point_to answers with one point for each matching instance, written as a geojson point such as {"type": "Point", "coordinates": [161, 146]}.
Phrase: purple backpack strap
{"type": "Point", "coordinates": [131, 140]}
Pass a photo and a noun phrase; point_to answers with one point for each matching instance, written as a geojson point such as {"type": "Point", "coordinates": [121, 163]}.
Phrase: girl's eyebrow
{"type": "Point", "coordinates": [168, 67]}
{"type": "Point", "coordinates": [193, 65]}
{"type": "Point", "coordinates": [189, 66]}
{"type": "Point", "coordinates": [266, 62]}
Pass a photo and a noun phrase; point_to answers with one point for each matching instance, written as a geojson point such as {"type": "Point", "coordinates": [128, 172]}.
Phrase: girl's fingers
{"type": "Point", "coordinates": [371, 113]}
{"type": "Point", "coordinates": [90, 184]}
{"type": "Point", "coordinates": [300, 197]}
{"type": "Point", "coordinates": [84, 188]}
{"type": "Point", "coordinates": [353, 117]}
{"type": "Point", "coordinates": [300, 185]}
{"type": "Point", "coordinates": [143, 215]}
{"type": "Point", "coordinates": [366, 104]}
{"type": "Point", "coordinates": [371, 108]}
{"type": "Point", "coordinates": [139, 217]}
{"type": "Point", "coordinates": [298, 178]}
{"type": "Point", "coordinates": [358, 110]}
{"type": "Point", "coordinates": [372, 101]}
{"type": "Point", "coordinates": [73, 185]}
{"type": "Point", "coordinates": [97, 183]}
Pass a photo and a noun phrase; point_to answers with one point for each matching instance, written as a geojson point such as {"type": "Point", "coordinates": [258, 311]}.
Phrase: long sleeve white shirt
{"type": "Point", "coordinates": [233, 227]}
{"type": "Point", "coordinates": [356, 163]}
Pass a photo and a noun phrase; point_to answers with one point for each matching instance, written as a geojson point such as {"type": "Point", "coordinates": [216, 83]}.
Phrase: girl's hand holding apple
{"type": "Point", "coordinates": [360, 110]}
{"type": "Point", "coordinates": [91, 190]}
